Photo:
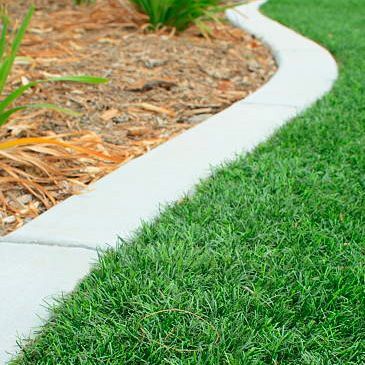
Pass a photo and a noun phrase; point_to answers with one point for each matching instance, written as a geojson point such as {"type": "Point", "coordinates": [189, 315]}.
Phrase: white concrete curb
{"type": "Point", "coordinates": [30, 276]}
{"type": "Point", "coordinates": [116, 204]}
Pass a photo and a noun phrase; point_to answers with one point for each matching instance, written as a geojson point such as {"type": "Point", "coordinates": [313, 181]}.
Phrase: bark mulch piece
{"type": "Point", "coordinates": [160, 84]}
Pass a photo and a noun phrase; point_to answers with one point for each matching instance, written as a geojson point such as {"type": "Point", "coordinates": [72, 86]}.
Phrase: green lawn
{"type": "Point", "coordinates": [267, 258]}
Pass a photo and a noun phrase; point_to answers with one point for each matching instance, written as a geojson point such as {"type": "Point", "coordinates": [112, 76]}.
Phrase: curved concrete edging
{"type": "Point", "coordinates": [116, 204]}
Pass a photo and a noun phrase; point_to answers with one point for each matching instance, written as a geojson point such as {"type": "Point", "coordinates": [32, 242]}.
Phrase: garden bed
{"type": "Point", "coordinates": [160, 85]}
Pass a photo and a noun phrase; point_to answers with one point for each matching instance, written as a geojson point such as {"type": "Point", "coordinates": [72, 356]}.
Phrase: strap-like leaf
{"type": "Point", "coordinates": [4, 73]}
{"type": "Point", "coordinates": [85, 79]}
{"type": "Point", "coordinates": [5, 23]}
{"type": "Point", "coordinates": [4, 117]}
{"type": "Point", "coordinates": [22, 89]}
{"type": "Point", "coordinates": [8, 61]}
{"type": "Point", "coordinates": [52, 107]}
{"type": "Point", "coordinates": [21, 31]}
{"type": "Point", "coordinates": [16, 94]}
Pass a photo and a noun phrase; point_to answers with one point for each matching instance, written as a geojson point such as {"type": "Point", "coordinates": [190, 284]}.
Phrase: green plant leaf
{"type": "Point", "coordinates": [85, 79]}
{"type": "Point", "coordinates": [4, 117]}
{"type": "Point", "coordinates": [16, 94]}
{"type": "Point", "coordinates": [7, 64]}
{"type": "Point", "coordinates": [52, 107]}
{"type": "Point", "coordinates": [5, 24]}
{"type": "Point", "coordinates": [175, 13]}
{"type": "Point", "coordinates": [9, 60]}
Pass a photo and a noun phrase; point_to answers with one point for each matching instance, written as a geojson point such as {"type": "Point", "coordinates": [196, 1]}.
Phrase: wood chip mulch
{"type": "Point", "coordinates": [161, 84]}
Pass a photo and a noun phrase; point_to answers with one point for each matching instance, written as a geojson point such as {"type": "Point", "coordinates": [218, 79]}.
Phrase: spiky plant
{"type": "Point", "coordinates": [8, 53]}
{"type": "Point", "coordinates": [83, 2]}
{"type": "Point", "coordinates": [178, 14]}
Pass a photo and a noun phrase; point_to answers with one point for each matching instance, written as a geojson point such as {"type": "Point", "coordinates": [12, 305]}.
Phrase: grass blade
{"type": "Point", "coordinates": [4, 117]}
{"type": "Point", "coordinates": [5, 24]}
{"type": "Point", "coordinates": [51, 107]}
{"type": "Point", "coordinates": [16, 94]}
{"type": "Point", "coordinates": [9, 61]}
{"type": "Point", "coordinates": [85, 79]}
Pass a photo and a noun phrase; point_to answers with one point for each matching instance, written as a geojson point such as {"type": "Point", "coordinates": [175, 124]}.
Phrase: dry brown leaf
{"type": "Point", "coordinates": [109, 114]}
{"type": "Point", "coordinates": [154, 108]}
